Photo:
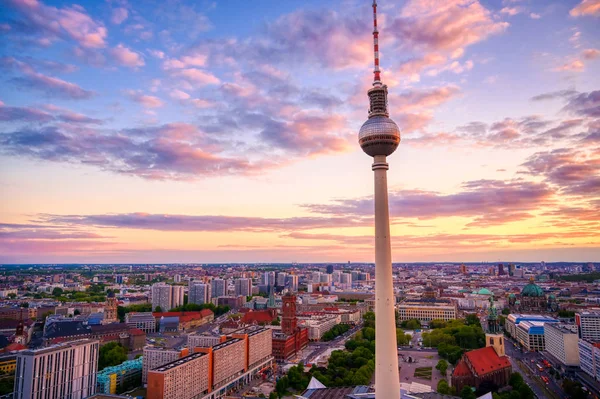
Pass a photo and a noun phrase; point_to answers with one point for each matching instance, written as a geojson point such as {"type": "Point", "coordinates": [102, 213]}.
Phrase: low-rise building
{"type": "Point", "coordinates": [514, 319]}
{"type": "Point", "coordinates": [204, 340]}
{"type": "Point", "coordinates": [319, 325]}
{"type": "Point", "coordinates": [145, 321]}
{"type": "Point", "coordinates": [120, 378]}
{"type": "Point", "coordinates": [426, 309]}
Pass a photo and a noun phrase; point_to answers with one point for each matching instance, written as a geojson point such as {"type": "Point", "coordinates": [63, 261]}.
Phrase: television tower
{"type": "Point", "coordinates": [379, 137]}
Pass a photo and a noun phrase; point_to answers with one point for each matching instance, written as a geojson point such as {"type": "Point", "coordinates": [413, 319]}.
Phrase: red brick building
{"type": "Point", "coordinates": [481, 365]}
{"type": "Point", "coordinates": [291, 339]}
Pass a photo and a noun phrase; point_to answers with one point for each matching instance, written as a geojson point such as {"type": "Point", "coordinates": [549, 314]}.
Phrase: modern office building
{"type": "Point", "coordinates": [588, 324]}
{"type": "Point", "coordinates": [528, 330]}
{"type": "Point", "coordinates": [145, 321]}
{"type": "Point", "coordinates": [281, 276]}
{"type": "Point", "coordinates": [291, 282]}
{"type": "Point", "coordinates": [199, 292]}
{"type": "Point", "coordinates": [59, 371]}
{"type": "Point", "coordinates": [426, 310]}
{"type": "Point", "coordinates": [155, 356]}
{"type": "Point", "coordinates": [166, 296]}
{"type": "Point", "coordinates": [218, 288]}
{"type": "Point", "coordinates": [562, 343]}
{"type": "Point", "coordinates": [120, 378]}
{"type": "Point", "coordinates": [243, 287]}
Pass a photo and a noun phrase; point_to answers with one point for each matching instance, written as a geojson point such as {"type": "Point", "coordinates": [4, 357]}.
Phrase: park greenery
{"type": "Point", "coordinates": [94, 293]}
{"type": "Point", "coordinates": [442, 366]}
{"type": "Point", "coordinates": [445, 389]}
{"type": "Point", "coordinates": [335, 332]}
{"type": "Point", "coordinates": [574, 389]}
{"type": "Point", "coordinates": [588, 277]}
{"type": "Point", "coordinates": [455, 337]}
{"type": "Point", "coordinates": [412, 324]}
{"type": "Point", "coordinates": [111, 354]}
{"type": "Point", "coordinates": [566, 313]}
{"type": "Point", "coordinates": [519, 389]}
{"type": "Point", "coordinates": [122, 310]}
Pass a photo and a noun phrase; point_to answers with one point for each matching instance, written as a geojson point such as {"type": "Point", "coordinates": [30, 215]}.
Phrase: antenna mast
{"type": "Point", "coordinates": [376, 71]}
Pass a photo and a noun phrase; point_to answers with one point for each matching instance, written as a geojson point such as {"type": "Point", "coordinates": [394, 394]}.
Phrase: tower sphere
{"type": "Point", "coordinates": [379, 135]}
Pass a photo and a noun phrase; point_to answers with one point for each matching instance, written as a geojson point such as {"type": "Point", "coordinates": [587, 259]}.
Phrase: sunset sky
{"type": "Point", "coordinates": [226, 131]}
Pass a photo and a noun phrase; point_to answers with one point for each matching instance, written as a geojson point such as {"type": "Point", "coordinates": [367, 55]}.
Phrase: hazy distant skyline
{"type": "Point", "coordinates": [158, 132]}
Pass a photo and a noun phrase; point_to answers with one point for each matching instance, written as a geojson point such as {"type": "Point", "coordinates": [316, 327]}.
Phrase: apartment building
{"type": "Point", "coordinates": [154, 356]}
{"type": "Point", "coordinates": [185, 378]}
{"type": "Point", "coordinates": [562, 343]}
{"type": "Point", "coordinates": [427, 309]}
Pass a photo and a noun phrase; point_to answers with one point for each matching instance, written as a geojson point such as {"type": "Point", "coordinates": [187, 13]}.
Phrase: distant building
{"type": "Point", "coordinates": [291, 282]}
{"type": "Point", "coordinates": [562, 343]}
{"type": "Point", "coordinates": [60, 371]}
{"type": "Point", "coordinates": [145, 321]}
{"type": "Point", "coordinates": [183, 321]}
{"type": "Point", "coordinates": [199, 292]}
{"type": "Point", "coordinates": [110, 310]}
{"type": "Point", "coordinates": [234, 302]}
{"type": "Point", "coordinates": [329, 269]}
{"type": "Point", "coordinates": [291, 339]}
{"type": "Point", "coordinates": [281, 276]}
{"type": "Point", "coordinates": [204, 340]}
{"type": "Point", "coordinates": [243, 287]}
{"type": "Point", "coordinates": [588, 325]}
{"type": "Point", "coordinates": [167, 296]}
{"type": "Point", "coordinates": [218, 288]}
{"type": "Point", "coordinates": [427, 309]}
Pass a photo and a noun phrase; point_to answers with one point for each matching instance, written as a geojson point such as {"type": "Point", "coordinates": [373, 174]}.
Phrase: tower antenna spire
{"type": "Point", "coordinates": [376, 71]}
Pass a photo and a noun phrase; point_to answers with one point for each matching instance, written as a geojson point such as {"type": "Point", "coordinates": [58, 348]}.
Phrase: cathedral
{"type": "Point", "coordinates": [532, 299]}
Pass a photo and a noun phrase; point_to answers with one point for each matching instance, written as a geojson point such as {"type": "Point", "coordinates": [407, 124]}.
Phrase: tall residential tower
{"type": "Point", "coordinates": [379, 137]}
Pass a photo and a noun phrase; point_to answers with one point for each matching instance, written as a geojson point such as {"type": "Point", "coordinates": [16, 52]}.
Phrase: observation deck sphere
{"type": "Point", "coordinates": [379, 135]}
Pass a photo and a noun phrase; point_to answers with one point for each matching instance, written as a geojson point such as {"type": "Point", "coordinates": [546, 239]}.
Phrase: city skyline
{"type": "Point", "coordinates": [198, 133]}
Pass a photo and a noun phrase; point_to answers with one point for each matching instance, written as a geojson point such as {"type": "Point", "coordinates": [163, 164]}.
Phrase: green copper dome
{"type": "Point", "coordinates": [532, 290]}
{"type": "Point", "coordinates": [511, 295]}
{"type": "Point", "coordinates": [484, 291]}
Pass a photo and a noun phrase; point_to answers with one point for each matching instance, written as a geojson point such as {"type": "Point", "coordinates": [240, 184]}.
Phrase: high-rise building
{"type": "Point", "coordinates": [60, 371]}
{"type": "Point", "coordinates": [500, 269]}
{"type": "Point", "coordinates": [588, 324]}
{"type": "Point", "coordinates": [199, 292]}
{"type": "Point", "coordinates": [325, 278]}
{"type": "Point", "coordinates": [291, 282]}
{"type": "Point", "coordinates": [177, 278]}
{"type": "Point", "coordinates": [243, 287]}
{"type": "Point", "coordinates": [281, 276]}
{"type": "Point", "coordinates": [562, 343]}
{"type": "Point", "coordinates": [346, 278]}
{"type": "Point", "coordinates": [184, 378]}
{"type": "Point", "coordinates": [589, 358]}
{"type": "Point", "coordinates": [329, 269]}
{"type": "Point", "coordinates": [218, 288]}
{"type": "Point", "coordinates": [268, 278]}
{"type": "Point", "coordinates": [154, 357]}
{"type": "Point", "coordinates": [167, 296]}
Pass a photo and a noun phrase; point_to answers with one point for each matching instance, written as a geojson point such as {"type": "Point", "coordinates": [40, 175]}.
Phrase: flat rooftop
{"type": "Point", "coordinates": [179, 362]}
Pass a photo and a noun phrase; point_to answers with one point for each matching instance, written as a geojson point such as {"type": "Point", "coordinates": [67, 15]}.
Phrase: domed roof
{"type": "Point", "coordinates": [512, 295]}
{"type": "Point", "coordinates": [379, 135]}
{"type": "Point", "coordinates": [484, 291]}
{"type": "Point", "coordinates": [532, 290]}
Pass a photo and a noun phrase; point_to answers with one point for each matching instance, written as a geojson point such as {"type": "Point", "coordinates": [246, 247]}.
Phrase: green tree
{"type": "Point", "coordinates": [12, 295]}
{"type": "Point", "coordinates": [272, 395]}
{"type": "Point", "coordinates": [158, 309]}
{"type": "Point", "coordinates": [281, 386]}
{"type": "Point", "coordinates": [506, 311]}
{"type": "Point", "coordinates": [467, 393]}
{"type": "Point", "coordinates": [412, 324]}
{"type": "Point", "coordinates": [516, 380]}
{"type": "Point", "coordinates": [472, 320]}
{"type": "Point", "coordinates": [442, 366]}
{"type": "Point", "coordinates": [111, 354]}
{"type": "Point", "coordinates": [276, 322]}
{"type": "Point", "coordinates": [77, 312]}
{"type": "Point", "coordinates": [443, 387]}
{"type": "Point", "coordinates": [369, 319]}
{"type": "Point", "coordinates": [57, 291]}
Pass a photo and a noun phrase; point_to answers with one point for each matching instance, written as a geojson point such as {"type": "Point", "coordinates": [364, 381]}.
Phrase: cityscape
{"type": "Point", "coordinates": [187, 211]}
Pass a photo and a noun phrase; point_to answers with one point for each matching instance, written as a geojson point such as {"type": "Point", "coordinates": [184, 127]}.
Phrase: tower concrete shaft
{"type": "Point", "coordinates": [387, 379]}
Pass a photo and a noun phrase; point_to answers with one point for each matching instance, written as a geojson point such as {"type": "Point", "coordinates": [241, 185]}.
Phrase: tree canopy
{"type": "Point", "coordinates": [111, 354]}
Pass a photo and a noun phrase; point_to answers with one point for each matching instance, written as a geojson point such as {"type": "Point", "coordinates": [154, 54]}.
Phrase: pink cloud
{"type": "Point", "coordinates": [572, 66]}
{"type": "Point", "coordinates": [591, 53]}
{"type": "Point", "coordinates": [124, 56]}
{"type": "Point", "coordinates": [51, 23]}
{"type": "Point", "coordinates": [145, 100]}
{"type": "Point", "coordinates": [586, 8]}
{"type": "Point", "coordinates": [445, 26]}
{"type": "Point", "coordinates": [119, 15]}
{"type": "Point", "coordinates": [179, 95]}
{"type": "Point", "coordinates": [422, 98]}
{"type": "Point", "coordinates": [198, 77]}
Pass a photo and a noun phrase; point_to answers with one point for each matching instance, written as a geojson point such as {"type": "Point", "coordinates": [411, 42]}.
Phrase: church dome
{"type": "Point", "coordinates": [484, 291]}
{"type": "Point", "coordinates": [532, 290]}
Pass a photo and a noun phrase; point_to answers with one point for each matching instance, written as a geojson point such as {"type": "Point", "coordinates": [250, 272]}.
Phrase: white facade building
{"type": "Point", "coordinates": [243, 286]}
{"type": "Point", "coordinates": [562, 343]}
{"type": "Point", "coordinates": [588, 324]}
{"type": "Point", "coordinates": [218, 288]}
{"type": "Point", "coordinates": [60, 371]}
{"type": "Point", "coordinates": [589, 358]}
